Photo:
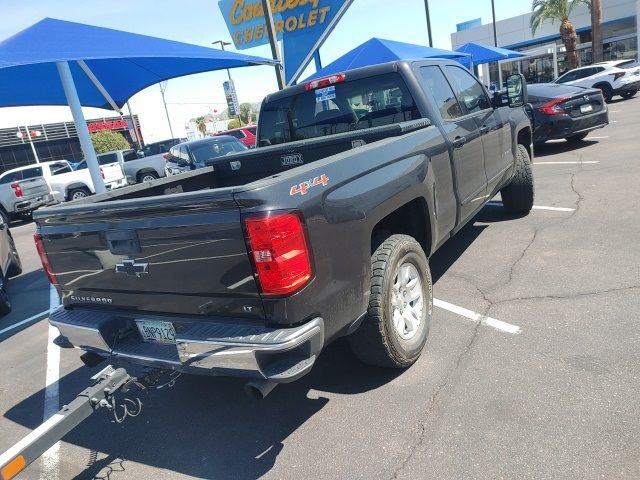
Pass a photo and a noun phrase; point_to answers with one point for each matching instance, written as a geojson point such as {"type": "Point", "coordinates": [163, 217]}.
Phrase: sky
{"type": "Point", "coordinates": [200, 22]}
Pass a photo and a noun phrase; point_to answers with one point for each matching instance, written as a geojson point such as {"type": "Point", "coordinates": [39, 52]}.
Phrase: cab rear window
{"type": "Point", "coordinates": [369, 102]}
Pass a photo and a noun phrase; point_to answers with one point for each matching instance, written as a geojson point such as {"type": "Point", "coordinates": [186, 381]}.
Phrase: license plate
{"type": "Point", "coordinates": [586, 108]}
{"type": "Point", "coordinates": [154, 331]}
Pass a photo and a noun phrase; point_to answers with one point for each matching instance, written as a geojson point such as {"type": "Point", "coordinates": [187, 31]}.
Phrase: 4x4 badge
{"type": "Point", "coordinates": [131, 268]}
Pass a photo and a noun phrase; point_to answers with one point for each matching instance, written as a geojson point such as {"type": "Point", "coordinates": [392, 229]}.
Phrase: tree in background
{"type": "Point", "coordinates": [596, 30]}
{"type": "Point", "coordinates": [108, 140]}
{"type": "Point", "coordinates": [233, 123]}
{"type": "Point", "coordinates": [202, 125]}
{"type": "Point", "coordinates": [560, 10]}
{"type": "Point", "coordinates": [246, 114]}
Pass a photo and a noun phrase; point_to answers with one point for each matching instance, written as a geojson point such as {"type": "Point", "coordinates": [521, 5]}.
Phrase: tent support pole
{"type": "Point", "coordinates": [273, 41]}
{"type": "Point", "coordinates": [98, 85]}
{"type": "Point", "coordinates": [81, 125]}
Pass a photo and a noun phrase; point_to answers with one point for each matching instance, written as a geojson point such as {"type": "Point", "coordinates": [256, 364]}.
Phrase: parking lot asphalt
{"type": "Point", "coordinates": [556, 399]}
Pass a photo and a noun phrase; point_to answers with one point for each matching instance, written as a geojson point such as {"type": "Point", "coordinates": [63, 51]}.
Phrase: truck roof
{"type": "Point", "coordinates": [362, 72]}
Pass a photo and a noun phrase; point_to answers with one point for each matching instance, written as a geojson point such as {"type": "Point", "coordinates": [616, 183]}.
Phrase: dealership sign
{"type": "Point", "coordinates": [107, 125]}
{"type": "Point", "coordinates": [302, 25]}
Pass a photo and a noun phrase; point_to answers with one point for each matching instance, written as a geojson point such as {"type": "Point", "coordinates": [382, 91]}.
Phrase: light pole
{"type": "Point", "coordinates": [222, 45]}
{"type": "Point", "coordinates": [36, 133]}
{"type": "Point", "coordinates": [163, 88]}
{"type": "Point", "coordinates": [493, 16]}
{"type": "Point", "coordinates": [426, 9]}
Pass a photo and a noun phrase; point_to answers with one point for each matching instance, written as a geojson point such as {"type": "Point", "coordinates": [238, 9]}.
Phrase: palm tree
{"type": "Point", "coordinates": [558, 10]}
{"type": "Point", "coordinates": [202, 125]}
{"type": "Point", "coordinates": [596, 30]}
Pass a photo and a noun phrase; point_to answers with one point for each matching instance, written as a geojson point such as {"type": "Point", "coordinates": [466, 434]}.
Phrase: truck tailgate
{"type": "Point", "coordinates": [33, 187]}
{"type": "Point", "coordinates": [193, 260]}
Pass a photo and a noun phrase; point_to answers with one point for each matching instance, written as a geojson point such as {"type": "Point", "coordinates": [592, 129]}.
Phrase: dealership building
{"type": "Point", "coordinates": [57, 141]}
{"type": "Point", "coordinates": [546, 58]}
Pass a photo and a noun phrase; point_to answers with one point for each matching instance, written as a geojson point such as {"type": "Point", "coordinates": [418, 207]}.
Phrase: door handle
{"type": "Point", "coordinates": [484, 129]}
{"type": "Point", "coordinates": [459, 141]}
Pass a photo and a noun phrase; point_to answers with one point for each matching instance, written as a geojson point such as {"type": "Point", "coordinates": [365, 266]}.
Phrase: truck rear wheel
{"type": "Point", "coordinates": [5, 304]}
{"type": "Point", "coordinates": [517, 197]}
{"type": "Point", "coordinates": [147, 177]}
{"type": "Point", "coordinates": [78, 193]}
{"type": "Point", "coordinates": [15, 264]}
{"type": "Point", "coordinates": [397, 324]}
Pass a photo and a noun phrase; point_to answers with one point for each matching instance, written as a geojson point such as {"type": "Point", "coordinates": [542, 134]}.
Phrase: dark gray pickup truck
{"type": "Point", "coordinates": [251, 265]}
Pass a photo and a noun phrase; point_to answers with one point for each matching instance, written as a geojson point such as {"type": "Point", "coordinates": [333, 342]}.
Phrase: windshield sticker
{"type": "Point", "coordinates": [324, 94]}
{"type": "Point", "coordinates": [303, 187]}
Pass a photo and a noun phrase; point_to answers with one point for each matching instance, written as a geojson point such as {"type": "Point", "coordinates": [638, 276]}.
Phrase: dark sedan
{"type": "Point", "coordinates": [191, 155]}
{"type": "Point", "coordinates": [10, 265]}
{"type": "Point", "coordinates": [564, 111]}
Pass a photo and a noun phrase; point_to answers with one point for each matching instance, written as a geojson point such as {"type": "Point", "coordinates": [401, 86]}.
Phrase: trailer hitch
{"type": "Point", "coordinates": [100, 395]}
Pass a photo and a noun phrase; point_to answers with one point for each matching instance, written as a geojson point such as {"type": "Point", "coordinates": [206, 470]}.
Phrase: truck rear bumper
{"type": "Point", "coordinates": [211, 347]}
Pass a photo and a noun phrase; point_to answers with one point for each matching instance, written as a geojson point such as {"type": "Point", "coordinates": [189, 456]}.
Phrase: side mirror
{"type": "Point", "coordinates": [497, 100]}
{"type": "Point", "coordinates": [140, 154]}
{"type": "Point", "coordinates": [517, 90]}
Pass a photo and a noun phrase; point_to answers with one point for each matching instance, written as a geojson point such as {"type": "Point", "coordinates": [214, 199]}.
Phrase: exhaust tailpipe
{"type": "Point", "coordinates": [258, 389]}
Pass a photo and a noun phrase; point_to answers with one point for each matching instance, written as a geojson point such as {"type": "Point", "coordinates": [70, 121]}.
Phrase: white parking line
{"type": "Point", "coordinates": [477, 317]}
{"type": "Point", "coordinates": [597, 138]}
{"type": "Point", "coordinates": [50, 458]}
{"type": "Point", "coordinates": [536, 207]}
{"type": "Point", "coordinates": [566, 163]}
{"type": "Point", "coordinates": [39, 316]}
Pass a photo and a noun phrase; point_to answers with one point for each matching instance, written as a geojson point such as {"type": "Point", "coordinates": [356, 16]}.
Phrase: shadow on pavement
{"type": "Point", "coordinates": [29, 296]}
{"type": "Point", "coordinates": [206, 427]}
{"type": "Point", "coordinates": [548, 149]}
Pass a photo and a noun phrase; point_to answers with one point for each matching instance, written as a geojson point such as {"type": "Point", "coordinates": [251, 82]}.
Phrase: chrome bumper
{"type": "Point", "coordinates": [205, 347]}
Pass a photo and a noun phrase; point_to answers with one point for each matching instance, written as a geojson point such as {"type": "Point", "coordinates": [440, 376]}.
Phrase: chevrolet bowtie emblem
{"type": "Point", "coordinates": [131, 267]}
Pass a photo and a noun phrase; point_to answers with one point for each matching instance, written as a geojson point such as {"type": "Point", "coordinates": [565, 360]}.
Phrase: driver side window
{"type": "Point", "coordinates": [471, 94]}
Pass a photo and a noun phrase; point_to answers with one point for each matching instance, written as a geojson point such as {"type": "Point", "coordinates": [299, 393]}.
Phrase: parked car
{"type": "Point", "coordinates": [251, 267]}
{"type": "Point", "coordinates": [194, 154]}
{"type": "Point", "coordinates": [10, 265]}
{"type": "Point", "coordinates": [616, 77]}
{"type": "Point", "coordinates": [148, 164]}
{"type": "Point", "coordinates": [22, 190]}
{"type": "Point", "coordinates": [566, 111]}
{"type": "Point", "coordinates": [247, 135]}
{"type": "Point", "coordinates": [110, 177]}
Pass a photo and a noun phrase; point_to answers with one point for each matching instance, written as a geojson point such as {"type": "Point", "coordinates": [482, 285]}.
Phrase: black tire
{"type": "Point", "coordinates": [629, 94]}
{"type": "Point", "coordinates": [5, 304]}
{"type": "Point", "coordinates": [517, 197]}
{"type": "Point", "coordinates": [15, 264]}
{"type": "Point", "coordinates": [147, 177]}
{"type": "Point", "coordinates": [78, 193]}
{"type": "Point", "coordinates": [577, 138]}
{"type": "Point", "coordinates": [377, 341]}
{"type": "Point", "coordinates": [607, 92]}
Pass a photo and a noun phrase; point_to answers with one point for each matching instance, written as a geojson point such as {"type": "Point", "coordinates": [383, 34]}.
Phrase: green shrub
{"type": "Point", "coordinates": [107, 140]}
{"type": "Point", "coordinates": [233, 123]}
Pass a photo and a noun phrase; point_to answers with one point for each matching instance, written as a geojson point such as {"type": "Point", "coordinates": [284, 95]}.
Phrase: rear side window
{"type": "Point", "coordinates": [11, 177]}
{"type": "Point", "coordinates": [568, 77]}
{"type": "Point", "coordinates": [442, 93]}
{"type": "Point", "coordinates": [368, 102]}
{"type": "Point", "coordinates": [152, 149]}
{"type": "Point", "coordinates": [31, 173]}
{"type": "Point", "coordinates": [471, 94]}
{"type": "Point", "coordinates": [129, 155]}
{"type": "Point", "coordinates": [207, 151]}
{"type": "Point", "coordinates": [107, 158]}
{"type": "Point", "coordinates": [628, 64]}
{"type": "Point", "coordinates": [59, 168]}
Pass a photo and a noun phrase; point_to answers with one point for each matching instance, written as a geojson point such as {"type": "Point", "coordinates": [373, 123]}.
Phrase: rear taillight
{"type": "Point", "coordinates": [325, 82]}
{"type": "Point", "coordinates": [17, 189]}
{"type": "Point", "coordinates": [280, 253]}
{"type": "Point", "coordinates": [46, 264]}
{"type": "Point", "coordinates": [553, 107]}
{"type": "Point", "coordinates": [166, 157]}
{"type": "Point", "coordinates": [618, 75]}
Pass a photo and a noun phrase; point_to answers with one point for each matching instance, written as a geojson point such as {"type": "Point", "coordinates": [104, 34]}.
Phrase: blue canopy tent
{"type": "Point", "coordinates": [378, 50]}
{"type": "Point", "coordinates": [56, 62]}
{"type": "Point", "coordinates": [479, 54]}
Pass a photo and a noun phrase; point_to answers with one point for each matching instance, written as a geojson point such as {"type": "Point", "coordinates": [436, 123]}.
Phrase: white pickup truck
{"type": "Point", "coordinates": [22, 190]}
{"type": "Point", "coordinates": [66, 184]}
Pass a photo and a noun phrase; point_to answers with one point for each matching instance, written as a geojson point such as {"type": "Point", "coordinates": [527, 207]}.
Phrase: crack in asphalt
{"type": "Point", "coordinates": [422, 429]}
